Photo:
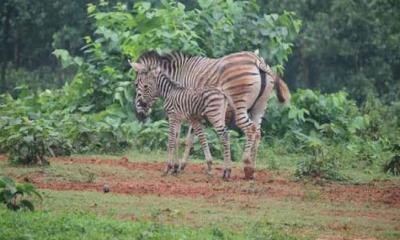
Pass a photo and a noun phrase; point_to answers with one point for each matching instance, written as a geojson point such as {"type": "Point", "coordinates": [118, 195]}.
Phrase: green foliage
{"type": "Point", "coordinates": [27, 137]}
{"type": "Point", "coordinates": [393, 165]}
{"type": "Point", "coordinates": [322, 162]}
{"type": "Point", "coordinates": [29, 31]}
{"type": "Point", "coordinates": [350, 45]}
{"type": "Point", "coordinates": [93, 112]}
{"type": "Point", "coordinates": [13, 194]}
{"type": "Point", "coordinates": [39, 79]}
{"type": "Point", "coordinates": [334, 131]}
{"type": "Point", "coordinates": [28, 142]}
{"type": "Point", "coordinates": [333, 116]}
{"type": "Point", "coordinates": [152, 136]}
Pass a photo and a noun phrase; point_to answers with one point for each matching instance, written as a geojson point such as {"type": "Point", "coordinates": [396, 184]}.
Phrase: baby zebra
{"type": "Point", "coordinates": [192, 105]}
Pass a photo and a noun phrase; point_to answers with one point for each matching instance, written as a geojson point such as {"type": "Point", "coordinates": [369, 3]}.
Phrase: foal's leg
{"type": "Point", "coordinates": [198, 130]}
{"type": "Point", "coordinates": [188, 147]}
{"type": "Point", "coordinates": [218, 122]}
{"type": "Point", "coordinates": [176, 155]}
{"type": "Point", "coordinates": [174, 125]}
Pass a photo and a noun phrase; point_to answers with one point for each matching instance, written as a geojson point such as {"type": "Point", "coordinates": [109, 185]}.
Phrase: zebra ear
{"type": "Point", "coordinates": [138, 67]}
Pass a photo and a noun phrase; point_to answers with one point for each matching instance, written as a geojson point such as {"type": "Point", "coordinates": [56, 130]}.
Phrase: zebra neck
{"type": "Point", "coordinates": [165, 87]}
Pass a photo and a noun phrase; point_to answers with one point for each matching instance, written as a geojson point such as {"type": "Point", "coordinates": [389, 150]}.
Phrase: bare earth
{"type": "Point", "coordinates": [194, 183]}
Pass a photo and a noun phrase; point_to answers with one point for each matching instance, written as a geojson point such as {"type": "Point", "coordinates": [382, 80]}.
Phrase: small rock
{"type": "Point", "coordinates": [106, 188]}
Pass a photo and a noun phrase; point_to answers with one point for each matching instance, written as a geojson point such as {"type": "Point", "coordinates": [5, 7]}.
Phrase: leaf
{"type": "Point", "coordinates": [27, 204]}
{"type": "Point", "coordinates": [64, 57]}
{"type": "Point", "coordinates": [6, 181]}
{"type": "Point", "coordinates": [87, 108]}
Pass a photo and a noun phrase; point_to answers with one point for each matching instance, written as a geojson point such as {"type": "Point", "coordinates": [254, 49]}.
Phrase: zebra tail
{"type": "Point", "coordinates": [282, 90]}
{"type": "Point", "coordinates": [230, 102]}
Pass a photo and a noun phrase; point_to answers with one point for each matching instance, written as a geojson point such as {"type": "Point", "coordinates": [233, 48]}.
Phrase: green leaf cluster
{"type": "Point", "coordinates": [13, 194]}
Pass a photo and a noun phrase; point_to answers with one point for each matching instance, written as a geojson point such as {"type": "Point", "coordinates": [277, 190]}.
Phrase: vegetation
{"type": "Point", "coordinates": [12, 194]}
{"type": "Point", "coordinates": [93, 111]}
{"type": "Point", "coordinates": [66, 88]}
{"type": "Point", "coordinates": [258, 206]}
{"type": "Point", "coordinates": [44, 225]}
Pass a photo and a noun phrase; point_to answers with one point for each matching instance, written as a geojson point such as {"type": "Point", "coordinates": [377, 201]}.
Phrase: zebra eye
{"type": "Point", "coordinates": [145, 86]}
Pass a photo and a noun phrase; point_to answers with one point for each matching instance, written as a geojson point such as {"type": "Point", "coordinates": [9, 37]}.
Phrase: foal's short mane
{"type": "Point", "coordinates": [174, 83]}
{"type": "Point", "coordinates": [153, 56]}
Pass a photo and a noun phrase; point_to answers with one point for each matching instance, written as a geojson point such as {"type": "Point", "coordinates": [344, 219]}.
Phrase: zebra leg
{"type": "Point", "coordinates": [218, 123]}
{"type": "Point", "coordinates": [247, 157]}
{"type": "Point", "coordinates": [176, 155]}
{"type": "Point", "coordinates": [174, 125]}
{"type": "Point", "coordinates": [255, 147]}
{"type": "Point", "coordinates": [249, 128]}
{"type": "Point", "coordinates": [188, 147]}
{"type": "Point", "coordinates": [224, 136]}
{"type": "Point", "coordinates": [198, 130]}
{"type": "Point", "coordinates": [257, 112]}
{"type": "Point", "coordinates": [257, 119]}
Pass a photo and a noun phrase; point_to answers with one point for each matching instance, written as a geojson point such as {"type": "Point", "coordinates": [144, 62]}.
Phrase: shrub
{"type": "Point", "coordinates": [393, 165]}
{"type": "Point", "coordinates": [322, 163]}
{"type": "Point", "coordinates": [31, 141]}
{"type": "Point", "coordinates": [152, 136]}
{"type": "Point", "coordinates": [13, 194]}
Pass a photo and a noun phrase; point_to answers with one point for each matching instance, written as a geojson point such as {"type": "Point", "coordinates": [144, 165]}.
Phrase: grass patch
{"type": "Point", "coordinates": [83, 225]}
{"type": "Point", "coordinates": [312, 216]}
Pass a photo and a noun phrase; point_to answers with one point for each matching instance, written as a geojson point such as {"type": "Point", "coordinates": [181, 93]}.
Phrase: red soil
{"type": "Point", "coordinates": [194, 183]}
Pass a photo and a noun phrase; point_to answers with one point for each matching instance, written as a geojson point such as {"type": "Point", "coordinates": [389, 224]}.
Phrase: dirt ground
{"type": "Point", "coordinates": [145, 178]}
{"type": "Point", "coordinates": [194, 182]}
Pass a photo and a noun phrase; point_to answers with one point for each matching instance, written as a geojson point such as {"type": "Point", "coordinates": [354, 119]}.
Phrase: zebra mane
{"type": "Point", "coordinates": [148, 56]}
{"type": "Point", "coordinates": [152, 57]}
{"type": "Point", "coordinates": [172, 82]}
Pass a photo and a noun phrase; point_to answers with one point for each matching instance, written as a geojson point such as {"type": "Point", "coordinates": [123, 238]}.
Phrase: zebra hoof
{"type": "Point", "coordinates": [176, 169]}
{"type": "Point", "coordinates": [167, 169]}
{"type": "Point", "coordinates": [227, 174]}
{"type": "Point", "coordinates": [182, 166]}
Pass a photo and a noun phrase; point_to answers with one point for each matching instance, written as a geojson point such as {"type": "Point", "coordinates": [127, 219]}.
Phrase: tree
{"type": "Point", "coordinates": [350, 45]}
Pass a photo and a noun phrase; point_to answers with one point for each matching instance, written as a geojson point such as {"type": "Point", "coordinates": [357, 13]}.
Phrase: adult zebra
{"type": "Point", "coordinates": [243, 76]}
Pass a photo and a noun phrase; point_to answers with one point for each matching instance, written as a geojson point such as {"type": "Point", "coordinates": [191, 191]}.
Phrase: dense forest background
{"type": "Point", "coordinates": [67, 88]}
{"type": "Point", "coordinates": [351, 45]}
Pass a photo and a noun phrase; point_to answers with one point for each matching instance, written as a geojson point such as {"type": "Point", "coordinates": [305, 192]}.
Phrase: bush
{"type": "Point", "coordinates": [332, 116]}
{"type": "Point", "coordinates": [31, 141]}
{"type": "Point", "coordinates": [323, 160]}
{"type": "Point", "coordinates": [12, 194]}
{"type": "Point", "coordinates": [152, 136]}
{"type": "Point", "coordinates": [393, 165]}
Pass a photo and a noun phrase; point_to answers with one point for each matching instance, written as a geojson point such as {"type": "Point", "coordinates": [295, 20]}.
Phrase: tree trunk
{"type": "Point", "coordinates": [4, 50]}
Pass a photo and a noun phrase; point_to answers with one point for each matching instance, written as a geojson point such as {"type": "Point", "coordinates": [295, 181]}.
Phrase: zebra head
{"type": "Point", "coordinates": [146, 88]}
